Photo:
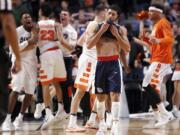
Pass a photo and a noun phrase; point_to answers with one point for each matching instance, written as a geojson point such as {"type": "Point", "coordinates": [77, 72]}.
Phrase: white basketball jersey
{"type": "Point", "coordinates": [47, 35]}
{"type": "Point", "coordinates": [23, 36]}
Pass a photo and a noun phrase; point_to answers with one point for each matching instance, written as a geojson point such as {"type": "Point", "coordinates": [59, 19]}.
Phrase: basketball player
{"type": "Point", "coordinates": [52, 69]}
{"type": "Point", "coordinates": [26, 78]}
{"type": "Point", "coordinates": [160, 42]}
{"type": "Point", "coordinates": [109, 38]}
{"type": "Point", "coordinates": [86, 65]}
{"type": "Point", "coordinates": [176, 78]}
{"type": "Point", "coordinates": [8, 31]}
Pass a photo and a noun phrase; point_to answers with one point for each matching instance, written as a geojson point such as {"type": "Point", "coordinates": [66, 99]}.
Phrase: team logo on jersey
{"type": "Point", "coordinates": [22, 39]}
{"type": "Point", "coordinates": [65, 35]}
{"type": "Point", "coordinates": [99, 90]}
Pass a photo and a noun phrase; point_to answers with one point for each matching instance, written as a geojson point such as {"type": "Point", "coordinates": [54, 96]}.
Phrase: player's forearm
{"type": "Point", "coordinates": [66, 45]}
{"type": "Point", "coordinates": [124, 44]}
{"type": "Point", "coordinates": [123, 58]}
{"type": "Point", "coordinates": [166, 40]}
{"type": "Point", "coordinates": [141, 42]}
{"type": "Point", "coordinates": [10, 33]}
{"type": "Point", "coordinates": [93, 41]}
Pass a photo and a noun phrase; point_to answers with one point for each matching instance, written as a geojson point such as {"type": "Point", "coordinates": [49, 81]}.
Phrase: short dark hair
{"type": "Point", "coordinates": [116, 8]}
{"type": "Point", "coordinates": [24, 12]}
{"type": "Point", "coordinates": [99, 8]}
{"type": "Point", "coordinates": [45, 9]}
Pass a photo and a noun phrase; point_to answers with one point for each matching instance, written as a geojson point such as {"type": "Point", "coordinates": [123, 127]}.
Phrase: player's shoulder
{"type": "Point", "coordinates": [20, 28]}
{"type": "Point", "coordinates": [122, 29]}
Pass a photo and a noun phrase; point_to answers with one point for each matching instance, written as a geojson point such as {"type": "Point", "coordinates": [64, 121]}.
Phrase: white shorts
{"type": "Point", "coordinates": [52, 67]}
{"type": "Point", "coordinates": [86, 73]}
{"type": "Point", "coordinates": [155, 74]}
{"type": "Point", "coordinates": [176, 75]}
{"type": "Point", "coordinates": [26, 79]}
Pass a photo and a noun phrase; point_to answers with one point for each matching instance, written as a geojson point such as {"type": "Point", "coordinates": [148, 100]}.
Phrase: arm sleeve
{"type": "Point", "coordinates": [168, 34]}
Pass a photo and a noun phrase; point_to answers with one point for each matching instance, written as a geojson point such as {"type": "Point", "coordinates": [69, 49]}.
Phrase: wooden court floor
{"type": "Point", "coordinates": [128, 126]}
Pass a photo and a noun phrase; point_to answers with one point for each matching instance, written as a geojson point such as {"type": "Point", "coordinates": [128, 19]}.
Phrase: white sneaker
{"type": "Point", "coordinates": [176, 114]}
{"type": "Point", "coordinates": [151, 123]}
{"type": "Point", "coordinates": [18, 124]}
{"type": "Point", "coordinates": [38, 112]}
{"type": "Point", "coordinates": [102, 129]}
{"type": "Point", "coordinates": [92, 124]}
{"type": "Point", "coordinates": [164, 119]}
{"type": "Point", "coordinates": [49, 120]}
{"type": "Point", "coordinates": [61, 116]}
{"type": "Point", "coordinates": [115, 130]}
{"type": "Point", "coordinates": [108, 120]}
{"type": "Point", "coordinates": [75, 128]}
{"type": "Point", "coordinates": [7, 125]}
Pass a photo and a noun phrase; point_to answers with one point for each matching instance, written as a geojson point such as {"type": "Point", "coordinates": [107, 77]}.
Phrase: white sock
{"type": "Point", "coordinates": [93, 116]}
{"type": "Point", "coordinates": [72, 121]}
{"type": "Point", "coordinates": [60, 107]}
{"type": "Point", "coordinates": [20, 116]}
{"type": "Point", "coordinates": [115, 111]}
{"type": "Point", "coordinates": [161, 108]}
{"type": "Point", "coordinates": [175, 108]}
{"type": "Point", "coordinates": [100, 109]}
{"type": "Point", "coordinates": [8, 117]}
{"type": "Point", "coordinates": [48, 111]}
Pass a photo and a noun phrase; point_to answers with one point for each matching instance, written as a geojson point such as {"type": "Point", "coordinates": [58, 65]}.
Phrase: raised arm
{"type": "Point", "coordinates": [122, 39]}
{"type": "Point", "coordinates": [68, 45]}
{"type": "Point", "coordinates": [92, 41]}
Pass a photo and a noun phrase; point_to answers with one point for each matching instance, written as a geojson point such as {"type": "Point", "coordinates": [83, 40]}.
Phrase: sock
{"type": "Point", "coordinates": [93, 116]}
{"type": "Point", "coordinates": [161, 108]}
{"type": "Point", "coordinates": [48, 111]}
{"type": "Point", "coordinates": [20, 116]}
{"type": "Point", "coordinates": [101, 109]}
{"type": "Point", "coordinates": [72, 120]}
{"type": "Point", "coordinates": [8, 117]}
{"type": "Point", "coordinates": [175, 108]}
{"type": "Point", "coordinates": [60, 107]}
{"type": "Point", "coordinates": [115, 111]}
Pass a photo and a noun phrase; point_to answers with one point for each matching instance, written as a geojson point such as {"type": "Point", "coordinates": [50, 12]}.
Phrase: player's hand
{"type": "Point", "coordinates": [127, 70]}
{"type": "Point", "coordinates": [16, 66]}
{"type": "Point", "coordinates": [34, 35]}
{"type": "Point", "coordinates": [59, 29]}
{"type": "Point", "coordinates": [154, 40]}
{"type": "Point", "coordinates": [114, 31]}
{"type": "Point", "coordinates": [104, 27]}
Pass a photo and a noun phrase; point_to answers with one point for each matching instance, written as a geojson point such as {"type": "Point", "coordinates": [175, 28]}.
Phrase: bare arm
{"type": "Point", "coordinates": [141, 42]}
{"type": "Point", "coordinates": [30, 43]}
{"type": "Point", "coordinates": [95, 38]}
{"type": "Point", "coordinates": [61, 38]}
{"type": "Point", "coordinates": [9, 28]}
{"type": "Point", "coordinates": [81, 40]}
{"type": "Point", "coordinates": [124, 61]}
{"type": "Point", "coordinates": [122, 40]}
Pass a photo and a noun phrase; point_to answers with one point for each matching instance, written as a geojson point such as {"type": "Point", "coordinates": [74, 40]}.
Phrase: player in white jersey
{"type": "Point", "coordinates": [26, 78]}
{"type": "Point", "coordinates": [52, 69]}
{"type": "Point", "coordinates": [86, 65]}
